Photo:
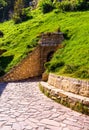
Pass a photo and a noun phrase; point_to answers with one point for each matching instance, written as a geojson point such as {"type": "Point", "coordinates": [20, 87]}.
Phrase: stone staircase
{"type": "Point", "coordinates": [75, 101]}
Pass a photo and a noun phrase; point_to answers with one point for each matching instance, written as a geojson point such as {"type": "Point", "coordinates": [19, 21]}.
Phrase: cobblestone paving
{"type": "Point", "coordinates": [24, 107]}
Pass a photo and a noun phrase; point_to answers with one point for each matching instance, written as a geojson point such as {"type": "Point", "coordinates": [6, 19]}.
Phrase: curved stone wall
{"type": "Point", "coordinates": [80, 87]}
{"type": "Point", "coordinates": [68, 99]}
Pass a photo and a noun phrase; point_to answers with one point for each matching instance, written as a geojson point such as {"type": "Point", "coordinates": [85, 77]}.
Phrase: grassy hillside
{"type": "Point", "coordinates": [71, 60]}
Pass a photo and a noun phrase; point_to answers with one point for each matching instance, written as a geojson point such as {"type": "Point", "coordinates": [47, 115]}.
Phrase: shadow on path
{"type": "Point", "coordinates": [4, 84]}
{"type": "Point", "coordinates": [31, 79]}
{"type": "Point", "coordinates": [2, 87]}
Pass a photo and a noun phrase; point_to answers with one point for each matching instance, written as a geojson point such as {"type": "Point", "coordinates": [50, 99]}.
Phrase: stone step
{"type": "Point", "coordinates": [74, 101]}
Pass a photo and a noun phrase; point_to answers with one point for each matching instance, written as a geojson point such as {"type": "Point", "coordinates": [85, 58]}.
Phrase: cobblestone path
{"type": "Point", "coordinates": [24, 107]}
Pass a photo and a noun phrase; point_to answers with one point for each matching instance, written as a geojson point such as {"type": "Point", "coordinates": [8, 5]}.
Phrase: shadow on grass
{"type": "Point", "coordinates": [4, 61]}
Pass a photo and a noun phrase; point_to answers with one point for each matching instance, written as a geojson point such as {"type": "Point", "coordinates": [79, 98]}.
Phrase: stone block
{"type": "Point", "coordinates": [69, 84]}
{"type": "Point", "coordinates": [44, 76]}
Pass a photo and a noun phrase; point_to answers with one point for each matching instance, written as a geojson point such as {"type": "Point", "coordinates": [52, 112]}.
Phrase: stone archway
{"type": "Point", "coordinates": [33, 64]}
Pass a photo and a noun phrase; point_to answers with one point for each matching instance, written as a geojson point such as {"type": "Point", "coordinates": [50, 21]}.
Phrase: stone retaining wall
{"type": "Point", "coordinates": [73, 101]}
{"type": "Point", "coordinates": [29, 67]}
{"type": "Point", "coordinates": [33, 64]}
{"type": "Point", "coordinates": [72, 85]}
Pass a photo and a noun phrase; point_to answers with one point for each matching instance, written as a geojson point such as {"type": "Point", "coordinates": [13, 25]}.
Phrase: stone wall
{"type": "Point", "coordinates": [51, 39]}
{"type": "Point", "coordinates": [33, 64]}
{"type": "Point", "coordinates": [49, 42]}
{"type": "Point", "coordinates": [29, 67]}
{"type": "Point", "coordinates": [45, 50]}
{"type": "Point", "coordinates": [80, 87]}
{"type": "Point", "coordinates": [68, 99]}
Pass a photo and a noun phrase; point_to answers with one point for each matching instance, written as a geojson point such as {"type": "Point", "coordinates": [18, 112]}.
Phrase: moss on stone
{"type": "Point", "coordinates": [77, 106]}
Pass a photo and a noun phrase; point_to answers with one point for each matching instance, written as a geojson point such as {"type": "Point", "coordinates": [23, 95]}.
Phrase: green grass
{"type": "Point", "coordinates": [19, 39]}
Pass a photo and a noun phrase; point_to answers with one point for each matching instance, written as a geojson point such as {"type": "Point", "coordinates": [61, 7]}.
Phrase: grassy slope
{"type": "Point", "coordinates": [18, 37]}
{"type": "Point", "coordinates": [76, 50]}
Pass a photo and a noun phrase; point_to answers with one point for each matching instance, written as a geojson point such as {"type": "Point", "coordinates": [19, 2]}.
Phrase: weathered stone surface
{"type": "Point", "coordinates": [6, 128]}
{"type": "Point", "coordinates": [66, 129]}
{"type": "Point", "coordinates": [29, 67]}
{"type": "Point", "coordinates": [51, 38]}
{"type": "Point", "coordinates": [70, 84]}
{"type": "Point", "coordinates": [50, 122]}
{"type": "Point", "coordinates": [33, 64]}
{"type": "Point", "coordinates": [24, 107]}
{"type": "Point", "coordinates": [69, 99]}
{"type": "Point", "coordinates": [45, 77]}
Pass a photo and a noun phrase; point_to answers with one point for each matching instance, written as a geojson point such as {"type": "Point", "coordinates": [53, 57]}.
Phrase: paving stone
{"type": "Point", "coordinates": [19, 119]}
{"type": "Point", "coordinates": [54, 110]}
{"type": "Point", "coordinates": [71, 119]}
{"type": "Point", "coordinates": [66, 129]}
{"type": "Point", "coordinates": [33, 125]}
{"type": "Point", "coordinates": [22, 125]}
{"type": "Point", "coordinates": [63, 125]}
{"type": "Point", "coordinates": [87, 126]}
{"type": "Point", "coordinates": [41, 128]}
{"type": "Point", "coordinates": [55, 115]}
{"type": "Point", "coordinates": [33, 120]}
{"type": "Point", "coordinates": [28, 127]}
{"type": "Point", "coordinates": [11, 120]}
{"type": "Point", "coordinates": [54, 128]}
{"type": "Point", "coordinates": [68, 122]}
{"type": "Point", "coordinates": [16, 126]}
{"type": "Point", "coordinates": [50, 122]}
{"type": "Point", "coordinates": [74, 128]}
{"type": "Point", "coordinates": [1, 110]}
{"type": "Point", "coordinates": [60, 118]}
{"type": "Point", "coordinates": [6, 128]}
{"type": "Point", "coordinates": [2, 123]}
{"type": "Point", "coordinates": [24, 107]}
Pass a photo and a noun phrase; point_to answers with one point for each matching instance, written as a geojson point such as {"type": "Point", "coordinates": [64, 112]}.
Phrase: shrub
{"type": "Point", "coordinates": [1, 33]}
{"type": "Point", "coordinates": [72, 5]}
{"type": "Point", "coordinates": [1, 71]}
{"type": "Point", "coordinates": [16, 19]}
{"type": "Point", "coordinates": [66, 5]}
{"type": "Point", "coordinates": [83, 73]}
{"type": "Point", "coordinates": [82, 5]}
{"type": "Point", "coordinates": [20, 13]}
{"type": "Point", "coordinates": [46, 6]}
{"type": "Point", "coordinates": [70, 69]}
{"type": "Point", "coordinates": [23, 16]}
{"type": "Point", "coordinates": [53, 66]}
{"type": "Point", "coordinates": [66, 34]}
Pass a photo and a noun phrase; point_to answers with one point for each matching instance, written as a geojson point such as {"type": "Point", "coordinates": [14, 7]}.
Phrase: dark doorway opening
{"type": "Point", "coordinates": [50, 55]}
